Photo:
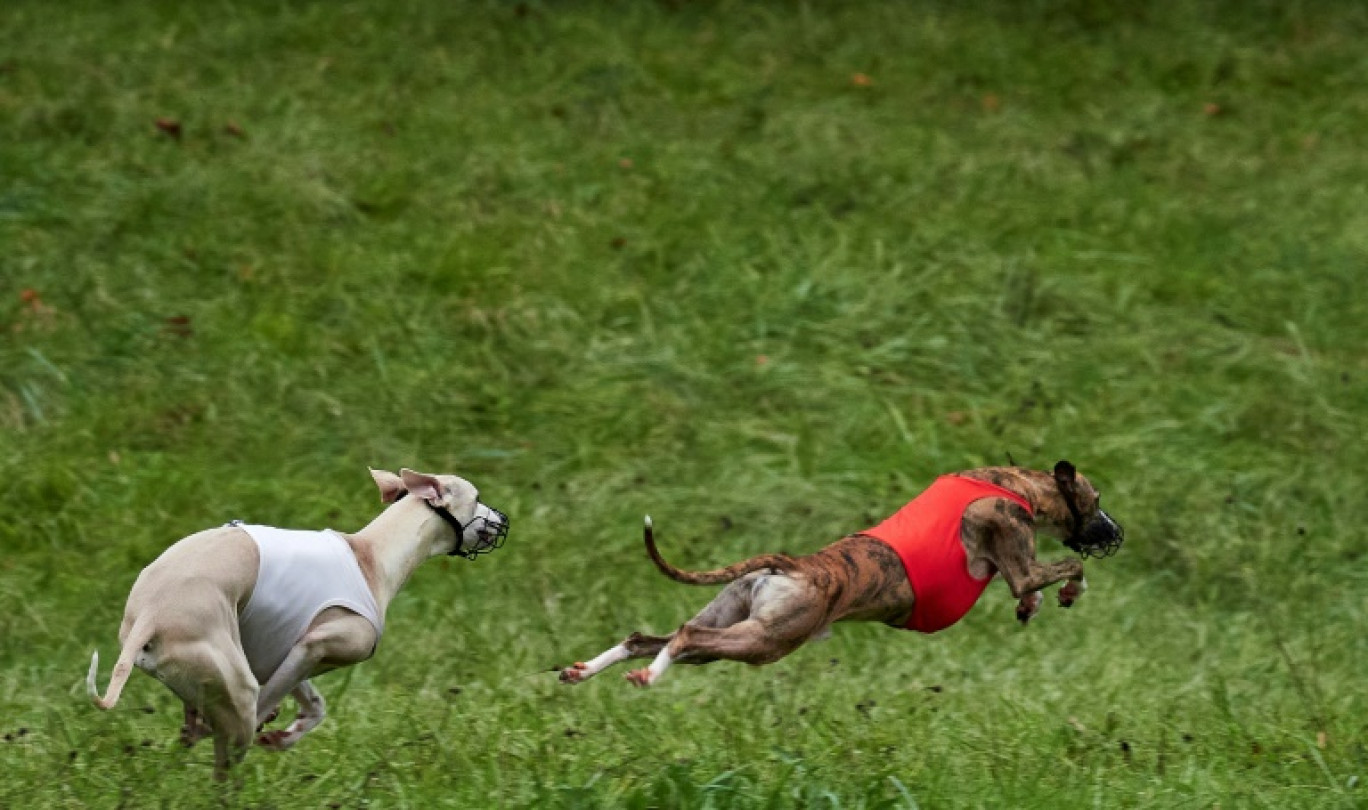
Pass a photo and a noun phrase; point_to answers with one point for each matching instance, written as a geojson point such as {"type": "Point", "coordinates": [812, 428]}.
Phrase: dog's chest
{"type": "Point", "coordinates": [301, 574]}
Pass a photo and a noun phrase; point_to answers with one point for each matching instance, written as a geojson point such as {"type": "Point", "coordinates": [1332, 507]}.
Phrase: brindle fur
{"type": "Point", "coordinates": [775, 603]}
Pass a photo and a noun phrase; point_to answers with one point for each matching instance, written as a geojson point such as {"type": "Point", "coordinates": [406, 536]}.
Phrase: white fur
{"type": "Point", "coordinates": [175, 626]}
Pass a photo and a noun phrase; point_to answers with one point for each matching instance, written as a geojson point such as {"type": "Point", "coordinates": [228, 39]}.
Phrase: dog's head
{"type": "Point", "coordinates": [1085, 528]}
{"type": "Point", "coordinates": [476, 528]}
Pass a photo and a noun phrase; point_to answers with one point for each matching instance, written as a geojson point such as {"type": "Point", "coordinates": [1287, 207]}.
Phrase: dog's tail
{"type": "Point", "coordinates": [782, 562]}
{"type": "Point", "coordinates": [138, 637]}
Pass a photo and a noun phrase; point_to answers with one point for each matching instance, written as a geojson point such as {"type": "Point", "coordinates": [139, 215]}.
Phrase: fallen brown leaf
{"type": "Point", "coordinates": [169, 127]}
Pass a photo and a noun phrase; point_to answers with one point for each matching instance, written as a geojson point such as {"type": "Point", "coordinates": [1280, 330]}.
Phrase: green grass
{"type": "Point", "coordinates": [671, 258]}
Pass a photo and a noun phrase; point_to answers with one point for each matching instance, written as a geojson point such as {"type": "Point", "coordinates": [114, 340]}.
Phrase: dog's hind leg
{"type": "Point", "coordinates": [216, 677]}
{"type": "Point", "coordinates": [727, 608]}
{"type": "Point", "coordinates": [750, 642]}
{"type": "Point", "coordinates": [781, 614]}
{"type": "Point", "coordinates": [233, 722]}
{"type": "Point", "coordinates": [195, 727]}
{"type": "Point", "coordinates": [637, 645]}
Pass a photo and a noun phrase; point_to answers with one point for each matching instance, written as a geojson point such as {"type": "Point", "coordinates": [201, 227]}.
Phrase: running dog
{"type": "Point", "coordinates": [922, 569]}
{"type": "Point", "coordinates": [235, 618]}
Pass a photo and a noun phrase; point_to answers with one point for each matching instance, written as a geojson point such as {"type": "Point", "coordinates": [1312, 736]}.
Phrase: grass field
{"type": "Point", "coordinates": [761, 270]}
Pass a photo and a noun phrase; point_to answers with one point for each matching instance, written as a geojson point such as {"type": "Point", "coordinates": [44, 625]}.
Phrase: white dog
{"type": "Point", "coordinates": [233, 619]}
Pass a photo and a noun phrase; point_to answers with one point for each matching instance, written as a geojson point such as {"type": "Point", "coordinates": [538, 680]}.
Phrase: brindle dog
{"type": "Point", "coordinates": [775, 603]}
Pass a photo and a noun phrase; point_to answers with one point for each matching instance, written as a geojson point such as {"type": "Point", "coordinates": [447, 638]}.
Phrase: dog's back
{"type": "Point", "coordinates": [224, 558]}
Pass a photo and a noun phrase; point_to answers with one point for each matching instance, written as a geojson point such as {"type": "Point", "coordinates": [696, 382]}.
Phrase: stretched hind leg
{"type": "Point", "coordinates": [730, 606]}
{"type": "Point", "coordinates": [783, 614]}
{"type": "Point", "coordinates": [636, 645]}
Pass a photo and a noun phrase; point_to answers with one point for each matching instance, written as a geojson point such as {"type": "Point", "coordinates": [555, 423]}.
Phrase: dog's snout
{"type": "Point", "coordinates": [1101, 537]}
{"type": "Point", "coordinates": [489, 528]}
{"type": "Point", "coordinates": [494, 520]}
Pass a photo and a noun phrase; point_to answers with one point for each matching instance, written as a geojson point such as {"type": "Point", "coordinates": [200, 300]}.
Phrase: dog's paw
{"type": "Point", "coordinates": [575, 674]}
{"type": "Point", "coordinates": [1024, 613]}
{"type": "Point", "coordinates": [1069, 593]}
{"type": "Point", "coordinates": [639, 677]}
{"type": "Point", "coordinates": [277, 740]}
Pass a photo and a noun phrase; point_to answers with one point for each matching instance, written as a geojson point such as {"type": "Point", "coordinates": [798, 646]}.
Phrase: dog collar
{"type": "Point", "coordinates": [500, 531]}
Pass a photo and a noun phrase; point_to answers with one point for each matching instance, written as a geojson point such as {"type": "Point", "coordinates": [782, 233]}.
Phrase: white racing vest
{"type": "Point", "coordinates": [302, 573]}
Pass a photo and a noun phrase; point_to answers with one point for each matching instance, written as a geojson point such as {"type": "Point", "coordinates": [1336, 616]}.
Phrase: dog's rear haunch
{"type": "Point", "coordinates": [922, 569]}
{"type": "Point", "coordinates": [235, 618]}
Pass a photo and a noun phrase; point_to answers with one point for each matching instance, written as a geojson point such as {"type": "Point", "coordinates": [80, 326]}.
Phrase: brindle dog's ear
{"type": "Point", "coordinates": [1065, 475]}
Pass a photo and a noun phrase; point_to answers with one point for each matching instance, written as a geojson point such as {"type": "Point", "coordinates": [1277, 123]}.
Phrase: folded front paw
{"type": "Point", "coordinates": [276, 740]}
{"type": "Point", "coordinates": [1071, 591]}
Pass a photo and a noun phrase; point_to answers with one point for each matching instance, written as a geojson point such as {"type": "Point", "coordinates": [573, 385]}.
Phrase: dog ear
{"type": "Point", "coordinates": [391, 485]}
{"type": "Point", "coordinates": [1065, 474]}
{"type": "Point", "coordinates": [422, 485]}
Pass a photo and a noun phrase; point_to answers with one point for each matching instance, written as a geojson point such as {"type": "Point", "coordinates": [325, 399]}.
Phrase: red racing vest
{"type": "Point", "coordinates": [926, 535]}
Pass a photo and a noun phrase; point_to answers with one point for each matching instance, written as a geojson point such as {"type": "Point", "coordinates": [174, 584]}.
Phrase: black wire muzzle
{"type": "Point", "coordinates": [492, 533]}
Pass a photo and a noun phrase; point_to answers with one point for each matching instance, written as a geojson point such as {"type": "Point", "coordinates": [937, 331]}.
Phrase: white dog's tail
{"type": "Point", "coordinates": [137, 639]}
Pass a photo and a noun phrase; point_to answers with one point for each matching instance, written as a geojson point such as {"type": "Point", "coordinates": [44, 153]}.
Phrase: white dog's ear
{"type": "Point", "coordinates": [391, 485]}
{"type": "Point", "coordinates": [422, 485]}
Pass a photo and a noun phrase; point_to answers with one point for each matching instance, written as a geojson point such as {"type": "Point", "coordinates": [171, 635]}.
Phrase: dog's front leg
{"type": "Point", "coordinates": [1072, 589]}
{"type": "Point", "coordinates": [312, 710]}
{"type": "Point", "coordinates": [332, 641]}
{"type": "Point", "coordinates": [1028, 606]}
{"type": "Point", "coordinates": [1026, 577]}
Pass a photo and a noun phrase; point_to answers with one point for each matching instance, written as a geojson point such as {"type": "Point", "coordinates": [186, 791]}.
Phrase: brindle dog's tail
{"type": "Point", "coordinates": [781, 562]}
